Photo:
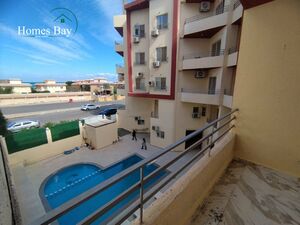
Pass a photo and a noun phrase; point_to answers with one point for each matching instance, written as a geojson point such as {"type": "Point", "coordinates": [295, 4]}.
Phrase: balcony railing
{"type": "Point", "coordinates": [203, 55]}
{"type": "Point", "coordinates": [154, 115]}
{"type": "Point", "coordinates": [217, 11]}
{"type": "Point", "coordinates": [145, 196]}
{"type": "Point", "coordinates": [233, 50]}
{"type": "Point", "coordinates": [197, 91]}
{"type": "Point", "coordinates": [228, 92]}
{"type": "Point", "coordinates": [236, 4]}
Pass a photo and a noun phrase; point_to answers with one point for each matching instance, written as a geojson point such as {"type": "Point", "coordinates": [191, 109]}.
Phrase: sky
{"type": "Point", "coordinates": [86, 53]}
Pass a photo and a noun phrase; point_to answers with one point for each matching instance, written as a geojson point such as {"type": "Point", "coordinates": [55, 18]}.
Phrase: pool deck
{"type": "Point", "coordinates": [28, 179]}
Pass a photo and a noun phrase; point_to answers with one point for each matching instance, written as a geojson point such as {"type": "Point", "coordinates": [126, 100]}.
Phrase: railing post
{"type": "Point", "coordinates": [211, 141]}
{"type": "Point", "coordinates": [141, 193]}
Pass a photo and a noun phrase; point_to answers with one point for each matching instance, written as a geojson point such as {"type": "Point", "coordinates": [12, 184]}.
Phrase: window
{"type": "Point", "coordinates": [161, 54]}
{"type": "Point", "coordinates": [17, 125]}
{"type": "Point", "coordinates": [196, 110]}
{"type": "Point", "coordinates": [140, 58]}
{"type": "Point", "coordinates": [26, 123]}
{"type": "Point", "coordinates": [220, 8]}
{"type": "Point", "coordinates": [160, 83]}
{"type": "Point", "coordinates": [139, 30]}
{"type": "Point", "coordinates": [139, 83]}
{"type": "Point", "coordinates": [162, 21]}
{"type": "Point", "coordinates": [141, 122]}
{"type": "Point", "coordinates": [160, 134]}
{"type": "Point", "coordinates": [216, 48]}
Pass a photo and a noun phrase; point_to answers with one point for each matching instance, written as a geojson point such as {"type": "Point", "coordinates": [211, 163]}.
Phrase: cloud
{"type": "Point", "coordinates": [68, 52]}
{"type": "Point", "coordinates": [106, 34]}
{"type": "Point", "coordinates": [34, 57]}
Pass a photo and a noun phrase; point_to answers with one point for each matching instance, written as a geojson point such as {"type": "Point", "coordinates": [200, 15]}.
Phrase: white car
{"type": "Point", "coordinates": [87, 107]}
{"type": "Point", "coordinates": [22, 124]}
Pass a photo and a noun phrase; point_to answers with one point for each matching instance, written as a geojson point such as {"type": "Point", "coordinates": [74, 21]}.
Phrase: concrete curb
{"type": "Point", "coordinates": [18, 115]}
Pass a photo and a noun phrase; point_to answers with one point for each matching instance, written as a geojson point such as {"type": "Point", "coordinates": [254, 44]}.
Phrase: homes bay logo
{"type": "Point", "coordinates": [63, 23]}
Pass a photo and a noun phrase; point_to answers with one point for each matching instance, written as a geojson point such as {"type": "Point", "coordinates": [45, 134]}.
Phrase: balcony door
{"type": "Point", "coordinates": [212, 85]}
{"type": "Point", "coordinates": [216, 48]}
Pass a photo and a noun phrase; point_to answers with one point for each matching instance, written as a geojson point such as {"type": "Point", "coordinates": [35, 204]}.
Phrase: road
{"type": "Point", "coordinates": [44, 107]}
{"type": "Point", "coordinates": [58, 116]}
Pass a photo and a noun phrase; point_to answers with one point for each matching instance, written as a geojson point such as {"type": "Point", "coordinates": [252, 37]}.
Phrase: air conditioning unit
{"type": "Point", "coordinates": [136, 39]}
{"type": "Point", "coordinates": [155, 32]}
{"type": "Point", "coordinates": [139, 75]}
{"type": "Point", "coordinates": [151, 83]}
{"type": "Point", "coordinates": [204, 6]}
{"type": "Point", "coordinates": [196, 115]}
{"type": "Point", "coordinates": [200, 74]}
{"type": "Point", "coordinates": [156, 64]}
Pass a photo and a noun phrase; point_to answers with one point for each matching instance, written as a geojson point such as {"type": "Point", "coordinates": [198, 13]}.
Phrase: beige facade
{"type": "Point", "coordinates": [179, 65]}
{"type": "Point", "coordinates": [50, 86]}
{"type": "Point", "coordinates": [267, 87]}
{"type": "Point", "coordinates": [17, 86]}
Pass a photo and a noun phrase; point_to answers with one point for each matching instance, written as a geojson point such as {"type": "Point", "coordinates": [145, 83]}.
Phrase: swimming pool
{"type": "Point", "coordinates": [76, 179]}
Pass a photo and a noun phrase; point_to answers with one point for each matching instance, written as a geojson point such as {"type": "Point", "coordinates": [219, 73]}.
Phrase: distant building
{"type": "Point", "coordinates": [99, 86]}
{"type": "Point", "coordinates": [51, 86]}
{"type": "Point", "coordinates": [17, 86]}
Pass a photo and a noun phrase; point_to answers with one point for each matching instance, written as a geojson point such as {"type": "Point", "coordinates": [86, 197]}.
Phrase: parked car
{"type": "Point", "coordinates": [22, 124]}
{"type": "Point", "coordinates": [108, 112]}
{"type": "Point", "coordinates": [87, 107]}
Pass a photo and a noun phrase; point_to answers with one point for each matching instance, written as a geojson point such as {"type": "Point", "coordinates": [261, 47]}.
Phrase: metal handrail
{"type": "Point", "coordinates": [197, 91]}
{"type": "Point", "coordinates": [144, 197]}
{"type": "Point", "coordinates": [203, 55]}
{"type": "Point", "coordinates": [207, 15]}
{"type": "Point", "coordinates": [236, 4]}
{"type": "Point", "coordinates": [232, 50]}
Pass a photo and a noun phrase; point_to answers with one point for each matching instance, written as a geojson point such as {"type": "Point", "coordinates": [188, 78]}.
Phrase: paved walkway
{"type": "Point", "coordinates": [29, 179]}
{"type": "Point", "coordinates": [251, 195]}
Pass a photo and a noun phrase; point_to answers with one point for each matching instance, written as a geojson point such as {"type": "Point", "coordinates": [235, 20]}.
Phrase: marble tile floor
{"type": "Point", "coordinates": [249, 194]}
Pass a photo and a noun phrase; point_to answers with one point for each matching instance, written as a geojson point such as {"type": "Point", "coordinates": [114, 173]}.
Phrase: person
{"type": "Point", "coordinates": [144, 146]}
{"type": "Point", "coordinates": [134, 135]}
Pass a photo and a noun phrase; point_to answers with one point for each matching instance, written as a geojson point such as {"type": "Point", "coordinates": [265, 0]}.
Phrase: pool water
{"type": "Point", "coordinates": [74, 180]}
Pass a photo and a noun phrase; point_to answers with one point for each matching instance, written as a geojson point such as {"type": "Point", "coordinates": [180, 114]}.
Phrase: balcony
{"type": "Point", "coordinates": [232, 57]}
{"type": "Point", "coordinates": [120, 69]}
{"type": "Point", "coordinates": [119, 48]}
{"type": "Point", "coordinates": [200, 97]}
{"type": "Point", "coordinates": [184, 187]}
{"type": "Point", "coordinates": [227, 101]}
{"type": "Point", "coordinates": [203, 61]}
{"type": "Point", "coordinates": [154, 115]}
{"type": "Point", "coordinates": [119, 22]}
{"type": "Point", "coordinates": [237, 12]}
{"type": "Point", "coordinates": [206, 25]}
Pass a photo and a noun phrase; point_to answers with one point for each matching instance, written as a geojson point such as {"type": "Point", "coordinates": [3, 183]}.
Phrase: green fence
{"type": "Point", "coordinates": [26, 139]}
{"type": "Point", "coordinates": [64, 130]}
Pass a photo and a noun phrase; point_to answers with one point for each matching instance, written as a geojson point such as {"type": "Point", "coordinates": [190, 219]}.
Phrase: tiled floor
{"type": "Point", "coordinates": [29, 179]}
{"type": "Point", "coordinates": [248, 194]}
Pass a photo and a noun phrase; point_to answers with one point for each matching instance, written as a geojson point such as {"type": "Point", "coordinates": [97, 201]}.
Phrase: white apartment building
{"type": "Point", "coordinates": [17, 86]}
{"type": "Point", "coordinates": [180, 61]}
{"type": "Point", "coordinates": [51, 86]}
